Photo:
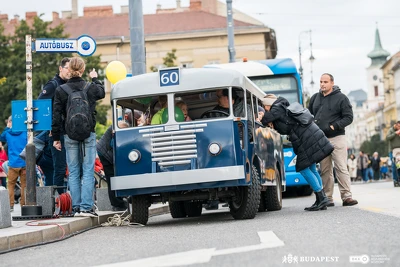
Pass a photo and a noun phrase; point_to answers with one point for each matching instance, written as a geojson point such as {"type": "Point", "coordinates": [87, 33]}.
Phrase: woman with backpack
{"type": "Point", "coordinates": [308, 140]}
{"type": "Point", "coordinates": [76, 101]}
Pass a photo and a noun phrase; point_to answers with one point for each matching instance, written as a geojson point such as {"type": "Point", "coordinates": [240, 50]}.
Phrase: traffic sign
{"type": "Point", "coordinates": [42, 115]}
{"type": "Point", "coordinates": [169, 76]}
{"type": "Point", "coordinates": [84, 45]}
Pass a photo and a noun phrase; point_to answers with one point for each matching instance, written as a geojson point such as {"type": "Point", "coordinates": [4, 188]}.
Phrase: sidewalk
{"type": "Point", "coordinates": [21, 235]}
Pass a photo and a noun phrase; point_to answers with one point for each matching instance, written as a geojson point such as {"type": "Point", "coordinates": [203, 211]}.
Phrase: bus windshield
{"type": "Point", "coordinates": [285, 86]}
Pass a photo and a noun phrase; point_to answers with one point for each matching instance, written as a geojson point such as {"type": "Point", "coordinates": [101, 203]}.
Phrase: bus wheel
{"type": "Point", "coordinates": [140, 209]}
{"type": "Point", "coordinates": [193, 208]}
{"type": "Point", "coordinates": [247, 199]}
{"type": "Point", "coordinates": [262, 206]}
{"type": "Point", "coordinates": [177, 209]}
{"type": "Point", "coordinates": [273, 199]}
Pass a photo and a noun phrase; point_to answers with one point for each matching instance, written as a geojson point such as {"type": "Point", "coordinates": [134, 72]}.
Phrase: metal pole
{"type": "Point", "coordinates": [231, 34]}
{"type": "Point", "coordinates": [30, 147]}
{"type": "Point", "coordinates": [138, 56]}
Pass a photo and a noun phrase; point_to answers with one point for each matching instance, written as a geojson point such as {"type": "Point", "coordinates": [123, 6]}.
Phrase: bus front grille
{"type": "Point", "coordinates": [176, 147]}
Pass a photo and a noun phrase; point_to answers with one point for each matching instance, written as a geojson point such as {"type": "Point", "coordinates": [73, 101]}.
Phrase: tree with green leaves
{"type": "Point", "coordinates": [44, 65]}
{"type": "Point", "coordinates": [375, 144]}
{"type": "Point", "coordinates": [168, 60]}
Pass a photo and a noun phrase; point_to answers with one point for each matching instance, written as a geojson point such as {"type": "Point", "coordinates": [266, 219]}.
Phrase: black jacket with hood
{"type": "Point", "coordinates": [95, 92]}
{"type": "Point", "coordinates": [334, 109]}
{"type": "Point", "coordinates": [308, 141]}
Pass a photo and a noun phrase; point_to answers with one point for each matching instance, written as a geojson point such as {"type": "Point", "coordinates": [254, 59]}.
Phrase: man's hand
{"type": "Point", "coordinates": [333, 128]}
{"type": "Point", "coordinates": [57, 145]}
{"type": "Point", "coordinates": [93, 73]}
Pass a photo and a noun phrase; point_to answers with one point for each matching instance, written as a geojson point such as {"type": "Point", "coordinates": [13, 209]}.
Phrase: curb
{"type": "Point", "coordinates": [52, 230]}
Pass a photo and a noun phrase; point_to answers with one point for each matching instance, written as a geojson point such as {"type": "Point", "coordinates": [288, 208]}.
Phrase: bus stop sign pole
{"type": "Point", "coordinates": [30, 210]}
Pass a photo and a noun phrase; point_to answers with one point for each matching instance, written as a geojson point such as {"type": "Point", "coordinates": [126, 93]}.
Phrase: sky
{"type": "Point", "coordinates": [342, 31]}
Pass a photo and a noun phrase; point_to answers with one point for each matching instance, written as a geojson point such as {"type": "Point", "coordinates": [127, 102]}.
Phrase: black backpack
{"type": "Point", "coordinates": [299, 113]}
{"type": "Point", "coordinates": [79, 120]}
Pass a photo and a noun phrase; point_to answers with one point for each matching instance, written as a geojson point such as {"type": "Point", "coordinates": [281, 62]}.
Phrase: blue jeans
{"type": "Point", "coordinates": [81, 190]}
{"type": "Point", "coordinates": [394, 169]}
{"type": "Point", "coordinates": [59, 163]}
{"type": "Point", "coordinates": [313, 178]}
{"type": "Point", "coordinates": [364, 173]}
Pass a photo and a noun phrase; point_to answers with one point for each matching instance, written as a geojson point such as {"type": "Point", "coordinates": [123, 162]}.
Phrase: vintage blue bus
{"type": "Point", "coordinates": [279, 77]}
{"type": "Point", "coordinates": [212, 154]}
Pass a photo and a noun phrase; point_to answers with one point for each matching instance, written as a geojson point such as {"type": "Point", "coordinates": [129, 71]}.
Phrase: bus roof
{"type": "Point", "coordinates": [260, 67]}
{"type": "Point", "coordinates": [190, 80]}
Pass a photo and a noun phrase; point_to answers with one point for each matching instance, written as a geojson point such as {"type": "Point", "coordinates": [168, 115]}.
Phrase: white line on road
{"type": "Point", "coordinates": [267, 240]}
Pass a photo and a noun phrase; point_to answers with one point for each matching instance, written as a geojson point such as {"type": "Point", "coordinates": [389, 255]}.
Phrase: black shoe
{"type": "Point", "coordinates": [322, 201]}
{"type": "Point", "coordinates": [396, 184]}
{"type": "Point", "coordinates": [315, 203]}
{"type": "Point", "coordinates": [331, 204]}
{"type": "Point", "coordinates": [88, 213]}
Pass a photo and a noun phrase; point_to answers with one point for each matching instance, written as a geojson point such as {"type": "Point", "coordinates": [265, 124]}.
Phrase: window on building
{"type": "Point", "coordinates": [187, 65]}
{"type": "Point", "coordinates": [376, 90]}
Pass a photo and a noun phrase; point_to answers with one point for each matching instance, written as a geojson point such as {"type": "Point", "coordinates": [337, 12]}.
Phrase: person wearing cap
{"type": "Point", "coordinates": [333, 113]}
{"type": "Point", "coordinates": [393, 138]}
{"type": "Point", "coordinates": [308, 141]}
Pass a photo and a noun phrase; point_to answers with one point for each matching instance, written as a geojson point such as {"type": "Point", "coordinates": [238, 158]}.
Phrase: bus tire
{"type": "Point", "coordinates": [177, 209]}
{"type": "Point", "coordinates": [247, 200]}
{"type": "Point", "coordinates": [140, 209]}
{"type": "Point", "coordinates": [273, 196]}
{"type": "Point", "coordinates": [262, 206]}
{"type": "Point", "coordinates": [193, 208]}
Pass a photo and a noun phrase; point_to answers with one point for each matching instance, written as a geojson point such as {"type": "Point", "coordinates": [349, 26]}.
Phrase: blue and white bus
{"type": "Point", "coordinates": [279, 77]}
{"type": "Point", "coordinates": [211, 155]}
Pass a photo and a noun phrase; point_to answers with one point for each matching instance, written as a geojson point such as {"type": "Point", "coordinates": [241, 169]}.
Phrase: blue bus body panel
{"type": "Point", "coordinates": [293, 178]}
{"type": "Point", "coordinates": [131, 139]}
{"type": "Point", "coordinates": [280, 65]}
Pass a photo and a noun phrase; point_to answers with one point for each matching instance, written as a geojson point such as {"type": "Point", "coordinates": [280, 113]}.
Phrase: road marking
{"type": "Point", "coordinates": [373, 209]}
{"type": "Point", "coordinates": [267, 240]}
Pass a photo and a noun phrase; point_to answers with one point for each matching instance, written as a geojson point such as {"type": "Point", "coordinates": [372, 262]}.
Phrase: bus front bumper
{"type": "Point", "coordinates": [161, 179]}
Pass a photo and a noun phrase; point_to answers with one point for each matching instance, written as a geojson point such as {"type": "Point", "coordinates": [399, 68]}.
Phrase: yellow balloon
{"type": "Point", "coordinates": [115, 71]}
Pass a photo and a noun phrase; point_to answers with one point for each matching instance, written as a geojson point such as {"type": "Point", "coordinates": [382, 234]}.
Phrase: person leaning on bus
{"type": "Point", "coordinates": [157, 118]}
{"type": "Point", "coordinates": [309, 144]}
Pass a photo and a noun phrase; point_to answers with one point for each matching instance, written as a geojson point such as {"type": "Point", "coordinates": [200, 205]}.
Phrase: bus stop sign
{"type": "Point", "coordinates": [84, 45]}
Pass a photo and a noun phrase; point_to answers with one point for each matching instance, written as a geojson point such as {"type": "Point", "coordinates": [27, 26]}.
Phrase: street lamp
{"type": "Point", "coordinates": [312, 58]}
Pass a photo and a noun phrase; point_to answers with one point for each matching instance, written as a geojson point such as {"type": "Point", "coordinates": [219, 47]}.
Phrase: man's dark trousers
{"type": "Point", "coordinates": [109, 172]}
{"type": "Point", "coordinates": [59, 164]}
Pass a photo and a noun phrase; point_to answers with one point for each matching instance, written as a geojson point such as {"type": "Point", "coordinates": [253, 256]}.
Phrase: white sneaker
{"type": "Point", "coordinates": [88, 213]}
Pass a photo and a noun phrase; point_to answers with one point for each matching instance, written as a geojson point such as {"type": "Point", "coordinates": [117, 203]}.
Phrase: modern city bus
{"type": "Point", "coordinates": [211, 155]}
{"type": "Point", "coordinates": [279, 77]}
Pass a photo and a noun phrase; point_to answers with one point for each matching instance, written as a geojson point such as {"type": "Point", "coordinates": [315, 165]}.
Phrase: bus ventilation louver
{"type": "Point", "coordinates": [174, 147]}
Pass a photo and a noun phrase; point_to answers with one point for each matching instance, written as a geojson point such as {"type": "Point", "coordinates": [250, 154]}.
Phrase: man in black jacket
{"type": "Point", "coordinates": [58, 157]}
{"type": "Point", "coordinates": [332, 113]}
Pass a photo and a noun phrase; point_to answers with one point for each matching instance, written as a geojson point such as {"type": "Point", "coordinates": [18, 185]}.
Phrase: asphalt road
{"type": "Point", "coordinates": [339, 236]}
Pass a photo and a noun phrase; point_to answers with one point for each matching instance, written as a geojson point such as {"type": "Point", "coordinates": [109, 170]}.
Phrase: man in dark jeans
{"type": "Point", "coordinates": [59, 157]}
{"type": "Point", "coordinates": [105, 152]}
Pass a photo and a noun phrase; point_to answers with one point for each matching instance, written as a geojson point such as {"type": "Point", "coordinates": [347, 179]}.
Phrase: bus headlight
{"type": "Point", "coordinates": [134, 156]}
{"type": "Point", "coordinates": [214, 149]}
{"type": "Point", "coordinates": [293, 162]}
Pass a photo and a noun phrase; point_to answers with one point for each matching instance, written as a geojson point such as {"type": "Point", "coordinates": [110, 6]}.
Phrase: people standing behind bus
{"type": "Point", "coordinates": [105, 151]}
{"type": "Point", "coordinates": [362, 165]}
{"type": "Point", "coordinates": [3, 158]}
{"type": "Point", "coordinates": [308, 141]}
{"type": "Point", "coordinates": [59, 161]}
{"type": "Point", "coordinates": [163, 102]}
{"type": "Point", "coordinates": [182, 105]}
{"type": "Point", "coordinates": [80, 154]}
{"type": "Point", "coordinates": [376, 166]}
{"type": "Point", "coordinates": [370, 172]}
{"type": "Point", "coordinates": [352, 167]}
{"type": "Point", "coordinates": [16, 142]}
{"type": "Point", "coordinates": [333, 113]}
{"type": "Point", "coordinates": [393, 138]}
